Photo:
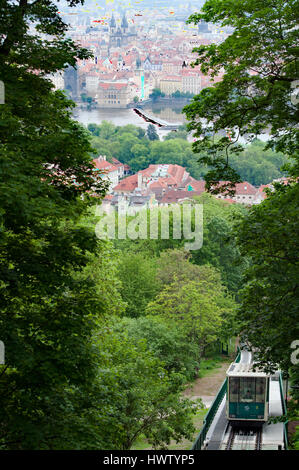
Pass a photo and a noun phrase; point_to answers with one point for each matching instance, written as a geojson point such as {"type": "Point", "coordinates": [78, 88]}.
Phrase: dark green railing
{"type": "Point", "coordinates": [212, 411]}
{"type": "Point", "coordinates": [209, 417]}
{"type": "Point", "coordinates": [284, 411]}
{"type": "Point", "coordinates": [238, 358]}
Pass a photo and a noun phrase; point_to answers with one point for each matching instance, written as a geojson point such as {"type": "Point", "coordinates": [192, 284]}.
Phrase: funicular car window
{"type": "Point", "coordinates": [247, 389]}
{"type": "Point", "coordinates": [234, 389]}
{"type": "Point", "coordinates": [260, 389]}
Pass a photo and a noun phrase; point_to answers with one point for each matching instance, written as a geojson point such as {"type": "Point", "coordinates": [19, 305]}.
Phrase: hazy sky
{"type": "Point", "coordinates": [137, 4]}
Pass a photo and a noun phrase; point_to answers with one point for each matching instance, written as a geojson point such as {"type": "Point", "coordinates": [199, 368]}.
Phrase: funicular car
{"type": "Point", "coordinates": [247, 394]}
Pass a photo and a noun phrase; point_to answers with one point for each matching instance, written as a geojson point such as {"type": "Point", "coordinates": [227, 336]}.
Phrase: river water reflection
{"type": "Point", "coordinates": [122, 117]}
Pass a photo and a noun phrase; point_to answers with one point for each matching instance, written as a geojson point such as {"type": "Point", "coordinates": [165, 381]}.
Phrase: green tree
{"type": "Point", "coordinates": [174, 265]}
{"type": "Point", "coordinates": [101, 147]}
{"type": "Point", "coordinates": [48, 313]}
{"type": "Point", "coordinates": [255, 93]}
{"type": "Point", "coordinates": [141, 133]}
{"type": "Point", "coordinates": [89, 102]}
{"type": "Point", "coordinates": [140, 150]}
{"type": "Point", "coordinates": [181, 133]}
{"type": "Point", "coordinates": [176, 94]}
{"type": "Point", "coordinates": [107, 130]}
{"type": "Point", "coordinates": [219, 247]}
{"type": "Point", "coordinates": [126, 142]}
{"type": "Point", "coordinates": [254, 164]}
{"type": "Point", "coordinates": [139, 285]}
{"type": "Point", "coordinates": [198, 307]}
{"type": "Point", "coordinates": [102, 270]}
{"type": "Point", "coordinates": [152, 133]}
{"type": "Point", "coordinates": [269, 312]}
{"type": "Point", "coordinates": [257, 165]}
{"type": "Point", "coordinates": [129, 129]}
{"type": "Point", "coordinates": [136, 395]}
{"type": "Point", "coordinates": [165, 341]}
{"type": "Point", "coordinates": [138, 163]}
{"type": "Point", "coordinates": [170, 151]}
{"type": "Point", "coordinates": [156, 93]}
{"type": "Point", "coordinates": [94, 129]}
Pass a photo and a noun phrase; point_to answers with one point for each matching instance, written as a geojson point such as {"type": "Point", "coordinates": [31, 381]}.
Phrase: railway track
{"type": "Point", "coordinates": [244, 439]}
{"type": "Point", "coordinates": [230, 441]}
{"type": "Point", "coordinates": [259, 436]}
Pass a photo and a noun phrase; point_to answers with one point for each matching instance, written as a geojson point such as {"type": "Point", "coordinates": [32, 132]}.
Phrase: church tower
{"type": "Point", "coordinates": [112, 25]}
{"type": "Point", "coordinates": [124, 25]}
{"type": "Point", "coordinates": [138, 63]}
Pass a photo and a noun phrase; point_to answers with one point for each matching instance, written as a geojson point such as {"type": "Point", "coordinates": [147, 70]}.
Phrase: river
{"type": "Point", "coordinates": [121, 117]}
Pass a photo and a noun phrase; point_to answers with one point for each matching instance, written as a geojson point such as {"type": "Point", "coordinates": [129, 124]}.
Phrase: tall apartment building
{"type": "Point", "coordinates": [191, 83]}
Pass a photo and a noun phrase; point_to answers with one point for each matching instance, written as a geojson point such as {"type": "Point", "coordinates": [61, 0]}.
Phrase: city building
{"type": "Point", "coordinates": [58, 80]}
{"type": "Point", "coordinates": [159, 176]}
{"type": "Point", "coordinates": [152, 65]}
{"type": "Point", "coordinates": [109, 172]}
{"type": "Point", "coordinates": [92, 83]}
{"type": "Point", "coordinates": [170, 84]}
{"type": "Point", "coordinates": [113, 94]}
{"type": "Point", "coordinates": [191, 82]}
{"type": "Point", "coordinates": [245, 193]}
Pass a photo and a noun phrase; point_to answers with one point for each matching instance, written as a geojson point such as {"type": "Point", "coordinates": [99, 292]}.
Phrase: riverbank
{"type": "Point", "coordinates": [166, 101]}
{"type": "Point", "coordinates": [169, 101]}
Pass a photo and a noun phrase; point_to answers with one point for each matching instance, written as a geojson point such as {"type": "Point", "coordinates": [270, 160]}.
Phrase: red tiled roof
{"type": "Point", "coordinates": [104, 165]}
{"type": "Point", "coordinates": [127, 184]}
{"type": "Point", "coordinates": [284, 181]}
{"type": "Point", "coordinates": [173, 177]}
{"type": "Point", "coordinates": [116, 162]}
{"type": "Point", "coordinates": [113, 85]}
{"type": "Point", "coordinates": [177, 172]}
{"type": "Point", "coordinates": [175, 196]}
{"type": "Point", "coordinates": [160, 184]}
{"type": "Point", "coordinates": [244, 188]}
{"type": "Point", "coordinates": [168, 181]}
{"type": "Point", "coordinates": [149, 171]}
{"type": "Point", "coordinates": [197, 185]}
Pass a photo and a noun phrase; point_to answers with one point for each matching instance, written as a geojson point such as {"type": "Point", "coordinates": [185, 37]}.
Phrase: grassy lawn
{"type": "Point", "coordinates": [208, 366]}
